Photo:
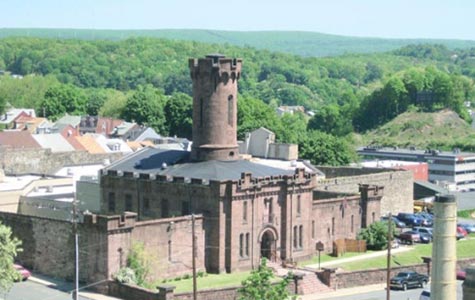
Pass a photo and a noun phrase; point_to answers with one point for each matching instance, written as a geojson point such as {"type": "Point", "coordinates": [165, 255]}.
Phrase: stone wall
{"type": "Point", "coordinates": [130, 292]}
{"type": "Point", "coordinates": [341, 280]}
{"type": "Point", "coordinates": [43, 161]}
{"type": "Point", "coordinates": [398, 185]}
{"type": "Point", "coordinates": [48, 245]}
{"type": "Point", "coordinates": [104, 242]}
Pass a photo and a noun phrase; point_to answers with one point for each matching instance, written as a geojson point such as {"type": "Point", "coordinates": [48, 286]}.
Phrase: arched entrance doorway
{"type": "Point", "coordinates": [268, 242]}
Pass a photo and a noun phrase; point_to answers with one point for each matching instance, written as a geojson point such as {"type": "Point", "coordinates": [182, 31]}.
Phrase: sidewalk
{"type": "Point", "coordinates": [67, 287]}
{"type": "Point", "coordinates": [343, 292]}
{"type": "Point", "coordinates": [360, 257]}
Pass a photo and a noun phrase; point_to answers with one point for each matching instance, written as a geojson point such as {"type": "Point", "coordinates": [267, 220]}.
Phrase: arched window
{"type": "Point", "coordinates": [230, 110]}
{"type": "Point", "coordinates": [300, 236]}
{"type": "Point", "coordinates": [247, 244]}
{"type": "Point", "coordinates": [241, 245]}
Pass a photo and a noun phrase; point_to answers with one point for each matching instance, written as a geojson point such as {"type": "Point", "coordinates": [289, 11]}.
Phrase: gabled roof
{"type": "Point", "coordinates": [90, 144]}
{"type": "Point", "coordinates": [18, 139]}
{"type": "Point", "coordinates": [72, 139]}
{"type": "Point", "coordinates": [14, 113]}
{"type": "Point", "coordinates": [147, 134]}
{"type": "Point", "coordinates": [54, 141]}
{"type": "Point", "coordinates": [111, 145]}
{"type": "Point", "coordinates": [176, 163]}
{"type": "Point", "coordinates": [122, 129]}
{"type": "Point", "coordinates": [135, 145]}
{"type": "Point", "coordinates": [69, 120]}
{"type": "Point", "coordinates": [29, 123]}
{"type": "Point", "coordinates": [106, 125]}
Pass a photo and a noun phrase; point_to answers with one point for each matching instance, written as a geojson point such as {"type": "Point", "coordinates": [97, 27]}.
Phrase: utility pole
{"type": "Point", "coordinates": [193, 242]}
{"type": "Point", "coordinates": [390, 239]}
{"type": "Point", "coordinates": [76, 249]}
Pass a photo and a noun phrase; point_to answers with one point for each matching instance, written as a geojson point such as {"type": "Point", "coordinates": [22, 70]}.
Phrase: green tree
{"type": "Point", "coordinates": [376, 235]}
{"type": "Point", "coordinates": [9, 248]}
{"type": "Point", "coordinates": [293, 128]}
{"type": "Point", "coordinates": [145, 106]}
{"type": "Point", "coordinates": [61, 99]}
{"type": "Point", "coordinates": [325, 149]}
{"type": "Point", "coordinates": [114, 105]}
{"type": "Point", "coordinates": [179, 115]}
{"type": "Point", "coordinates": [329, 119]}
{"type": "Point", "coordinates": [139, 262]}
{"type": "Point", "coordinates": [259, 286]}
{"type": "Point", "coordinates": [253, 114]}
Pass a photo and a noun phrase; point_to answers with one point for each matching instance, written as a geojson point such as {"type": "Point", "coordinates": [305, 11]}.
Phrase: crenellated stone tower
{"type": "Point", "coordinates": [215, 107]}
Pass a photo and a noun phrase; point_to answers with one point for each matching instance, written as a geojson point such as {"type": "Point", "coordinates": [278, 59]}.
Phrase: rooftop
{"type": "Point", "coordinates": [413, 151]}
{"type": "Point", "coordinates": [176, 163]}
{"type": "Point", "coordinates": [11, 183]}
{"type": "Point", "coordinates": [388, 163]}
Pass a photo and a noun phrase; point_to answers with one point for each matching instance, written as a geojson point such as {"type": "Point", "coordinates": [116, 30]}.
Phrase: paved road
{"type": "Point", "coordinates": [29, 290]}
{"type": "Point", "coordinates": [412, 294]}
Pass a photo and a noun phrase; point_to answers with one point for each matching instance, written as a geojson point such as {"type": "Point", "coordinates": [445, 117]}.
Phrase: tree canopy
{"type": "Point", "coordinates": [9, 248]}
{"type": "Point", "coordinates": [259, 285]}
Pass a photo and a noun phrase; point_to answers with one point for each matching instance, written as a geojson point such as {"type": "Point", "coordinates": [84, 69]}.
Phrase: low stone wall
{"type": "Point", "coordinates": [165, 292]}
{"type": "Point", "coordinates": [341, 280]}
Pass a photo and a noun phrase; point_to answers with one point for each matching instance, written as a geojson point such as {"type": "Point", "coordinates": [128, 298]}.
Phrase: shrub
{"type": "Point", "coordinates": [125, 275]}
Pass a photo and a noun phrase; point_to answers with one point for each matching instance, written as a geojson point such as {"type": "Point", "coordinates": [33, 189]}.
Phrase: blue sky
{"type": "Point", "coordinates": [376, 18]}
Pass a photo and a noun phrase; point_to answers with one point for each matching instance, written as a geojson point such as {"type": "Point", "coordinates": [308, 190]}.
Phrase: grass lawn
{"type": "Point", "coordinates": [464, 250]}
{"type": "Point", "coordinates": [210, 281]}
{"type": "Point", "coordinates": [325, 257]}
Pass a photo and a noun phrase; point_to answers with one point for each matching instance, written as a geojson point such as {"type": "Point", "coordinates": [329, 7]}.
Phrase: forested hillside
{"type": "Point", "coordinates": [147, 80]}
{"type": "Point", "coordinates": [294, 42]}
{"type": "Point", "coordinates": [442, 130]}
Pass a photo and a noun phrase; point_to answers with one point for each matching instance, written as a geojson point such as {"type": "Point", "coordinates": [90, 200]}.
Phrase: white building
{"type": "Point", "coordinates": [445, 168]}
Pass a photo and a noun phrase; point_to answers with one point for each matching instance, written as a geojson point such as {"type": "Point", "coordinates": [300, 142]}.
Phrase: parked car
{"type": "Point", "coordinates": [461, 233]}
{"type": "Point", "coordinates": [410, 219]}
{"type": "Point", "coordinates": [409, 237]}
{"type": "Point", "coordinates": [24, 273]}
{"type": "Point", "coordinates": [426, 234]}
{"type": "Point", "coordinates": [409, 279]}
{"type": "Point", "coordinates": [461, 275]}
{"type": "Point", "coordinates": [398, 223]}
{"type": "Point", "coordinates": [427, 219]}
{"type": "Point", "coordinates": [469, 228]}
{"type": "Point", "coordinates": [425, 295]}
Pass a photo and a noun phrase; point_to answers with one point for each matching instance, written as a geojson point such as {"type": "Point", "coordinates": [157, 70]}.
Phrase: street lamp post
{"type": "Point", "coordinates": [76, 250]}
{"type": "Point", "coordinates": [388, 275]}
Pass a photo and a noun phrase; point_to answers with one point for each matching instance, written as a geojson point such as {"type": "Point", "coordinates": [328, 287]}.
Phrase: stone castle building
{"type": "Point", "coordinates": [249, 210]}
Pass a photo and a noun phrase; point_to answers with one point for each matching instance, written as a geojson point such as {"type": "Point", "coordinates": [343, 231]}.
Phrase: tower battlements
{"type": "Point", "coordinates": [215, 89]}
{"type": "Point", "coordinates": [217, 64]}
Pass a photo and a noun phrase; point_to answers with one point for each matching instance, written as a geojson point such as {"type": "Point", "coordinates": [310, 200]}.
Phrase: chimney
{"type": "Point", "coordinates": [444, 252]}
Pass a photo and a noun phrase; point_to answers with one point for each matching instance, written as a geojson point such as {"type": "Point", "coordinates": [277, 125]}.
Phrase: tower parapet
{"type": "Point", "coordinates": [215, 80]}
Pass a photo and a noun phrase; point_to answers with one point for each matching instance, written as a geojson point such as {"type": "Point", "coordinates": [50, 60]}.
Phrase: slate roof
{"type": "Point", "coordinates": [70, 120]}
{"type": "Point", "coordinates": [151, 160]}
